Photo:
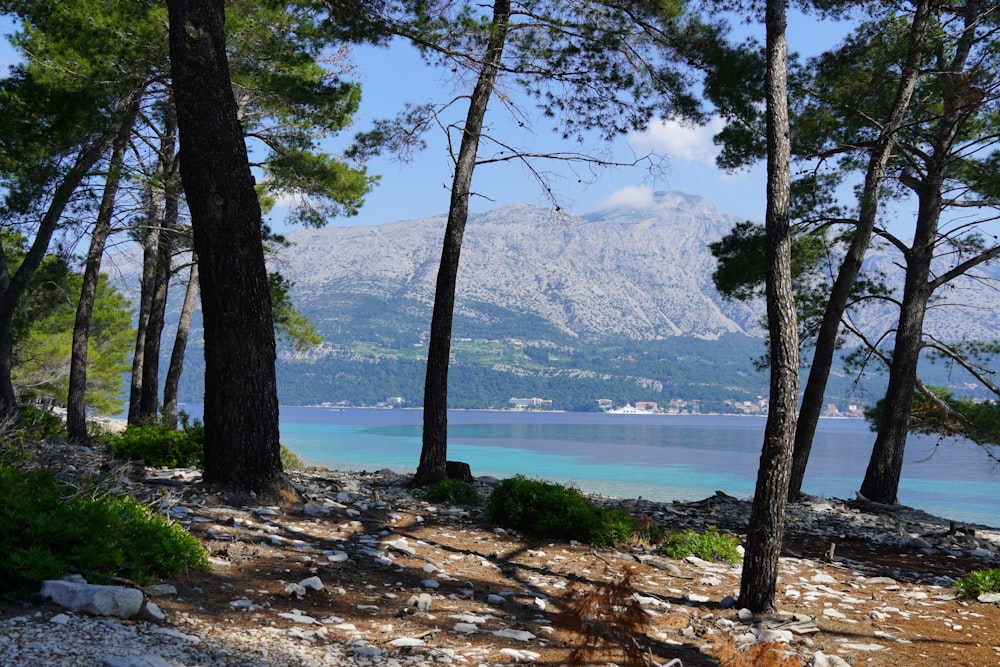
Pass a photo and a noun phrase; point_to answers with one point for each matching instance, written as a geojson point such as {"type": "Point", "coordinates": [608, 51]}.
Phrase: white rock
{"type": "Point", "coordinates": [92, 599]}
{"type": "Point", "coordinates": [465, 628]}
{"type": "Point", "coordinates": [312, 509]}
{"type": "Point", "coordinates": [297, 617]}
{"type": "Point", "coordinates": [154, 612]}
{"type": "Point", "coordinates": [820, 659]}
{"type": "Point", "coordinates": [830, 612]}
{"type": "Point", "coordinates": [764, 635]}
{"type": "Point", "coordinates": [822, 578]}
{"type": "Point", "coordinates": [430, 583]}
{"type": "Point", "coordinates": [61, 619]}
{"type": "Point", "coordinates": [517, 635]}
{"type": "Point", "coordinates": [312, 583]}
{"type": "Point", "coordinates": [406, 642]}
{"type": "Point", "coordinates": [989, 597]}
{"type": "Point", "coordinates": [520, 655]}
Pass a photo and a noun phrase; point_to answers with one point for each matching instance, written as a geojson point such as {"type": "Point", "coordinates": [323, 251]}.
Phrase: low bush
{"type": "Point", "coordinates": [451, 491]}
{"type": "Point", "coordinates": [290, 460]}
{"type": "Point", "coordinates": [38, 424]}
{"type": "Point", "coordinates": [711, 545]}
{"type": "Point", "coordinates": [159, 445]}
{"type": "Point", "coordinates": [49, 529]}
{"type": "Point", "coordinates": [979, 582]}
{"type": "Point", "coordinates": [550, 510]}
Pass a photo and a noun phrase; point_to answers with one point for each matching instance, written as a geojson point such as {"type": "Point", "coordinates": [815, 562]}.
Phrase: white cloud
{"type": "Point", "coordinates": [679, 140]}
{"type": "Point", "coordinates": [631, 196]}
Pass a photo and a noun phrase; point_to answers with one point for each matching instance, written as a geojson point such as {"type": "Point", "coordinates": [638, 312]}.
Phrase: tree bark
{"type": "Point", "coordinates": [242, 448]}
{"type": "Point", "coordinates": [843, 286]}
{"type": "Point", "coordinates": [767, 514]}
{"type": "Point", "coordinates": [15, 285]}
{"type": "Point", "coordinates": [434, 450]}
{"type": "Point", "coordinates": [180, 347]}
{"type": "Point", "coordinates": [76, 402]}
{"type": "Point", "coordinates": [885, 468]}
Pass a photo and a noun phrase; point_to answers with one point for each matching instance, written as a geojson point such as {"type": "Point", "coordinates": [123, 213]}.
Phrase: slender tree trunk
{"type": "Point", "coordinates": [180, 347]}
{"type": "Point", "coordinates": [767, 515]}
{"type": "Point", "coordinates": [885, 468]}
{"type": "Point", "coordinates": [434, 452]}
{"type": "Point", "coordinates": [149, 393]}
{"type": "Point", "coordinates": [150, 264]}
{"type": "Point", "coordinates": [152, 298]}
{"type": "Point", "coordinates": [170, 188]}
{"type": "Point", "coordinates": [843, 286]}
{"type": "Point", "coordinates": [76, 403]}
{"type": "Point", "coordinates": [15, 286]}
{"type": "Point", "coordinates": [242, 448]}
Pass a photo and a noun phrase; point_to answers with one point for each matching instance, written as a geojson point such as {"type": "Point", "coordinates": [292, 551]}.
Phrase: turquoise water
{"type": "Point", "coordinates": [659, 457]}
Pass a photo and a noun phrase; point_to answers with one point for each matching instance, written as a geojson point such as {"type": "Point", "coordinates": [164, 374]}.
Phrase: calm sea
{"type": "Point", "coordinates": [658, 457]}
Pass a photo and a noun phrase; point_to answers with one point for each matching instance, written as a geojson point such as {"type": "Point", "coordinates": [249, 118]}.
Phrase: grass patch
{"type": "Point", "coordinates": [450, 491]}
{"type": "Point", "coordinates": [49, 529]}
{"type": "Point", "coordinates": [710, 545]}
{"type": "Point", "coordinates": [553, 511]}
{"type": "Point", "coordinates": [979, 582]}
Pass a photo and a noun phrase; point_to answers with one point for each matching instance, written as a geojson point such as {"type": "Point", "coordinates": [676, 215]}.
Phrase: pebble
{"type": "Point", "coordinates": [849, 593]}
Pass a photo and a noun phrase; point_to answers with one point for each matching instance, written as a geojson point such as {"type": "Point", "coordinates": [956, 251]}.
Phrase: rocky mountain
{"type": "Point", "coordinates": [639, 274]}
{"type": "Point", "coordinates": [618, 304]}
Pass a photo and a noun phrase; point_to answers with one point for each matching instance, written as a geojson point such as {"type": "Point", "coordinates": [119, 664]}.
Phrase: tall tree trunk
{"type": "Point", "coordinates": [150, 264]}
{"type": "Point", "coordinates": [176, 367]}
{"type": "Point", "coordinates": [843, 286]}
{"type": "Point", "coordinates": [434, 451]}
{"type": "Point", "coordinates": [76, 402]}
{"type": "Point", "coordinates": [155, 251]}
{"type": "Point", "coordinates": [14, 286]}
{"type": "Point", "coordinates": [885, 468]}
{"type": "Point", "coordinates": [169, 183]}
{"type": "Point", "coordinates": [767, 515]}
{"type": "Point", "coordinates": [147, 410]}
{"type": "Point", "coordinates": [242, 448]}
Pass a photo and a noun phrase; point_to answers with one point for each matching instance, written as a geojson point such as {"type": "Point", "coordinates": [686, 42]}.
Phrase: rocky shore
{"type": "Point", "coordinates": [349, 568]}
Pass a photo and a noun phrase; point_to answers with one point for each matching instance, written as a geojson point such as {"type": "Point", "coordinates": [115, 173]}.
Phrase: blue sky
{"type": "Point", "coordinates": [418, 188]}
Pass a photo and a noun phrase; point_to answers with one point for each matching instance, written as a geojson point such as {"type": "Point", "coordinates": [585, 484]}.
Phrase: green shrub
{"type": "Point", "coordinates": [452, 491]}
{"type": "Point", "coordinates": [161, 445]}
{"type": "Point", "coordinates": [49, 530]}
{"type": "Point", "coordinates": [711, 545]}
{"type": "Point", "coordinates": [551, 510]}
{"type": "Point", "coordinates": [37, 424]}
{"type": "Point", "coordinates": [290, 460]}
{"type": "Point", "coordinates": [976, 583]}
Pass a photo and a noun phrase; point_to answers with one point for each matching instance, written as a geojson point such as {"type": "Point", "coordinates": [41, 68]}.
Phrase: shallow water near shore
{"type": "Point", "coordinates": [657, 457]}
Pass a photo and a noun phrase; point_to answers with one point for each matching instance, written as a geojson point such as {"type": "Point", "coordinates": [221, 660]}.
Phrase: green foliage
{"type": "Point", "coordinates": [948, 416]}
{"type": "Point", "coordinates": [159, 445]}
{"type": "Point", "coordinates": [290, 460]}
{"type": "Point", "coordinates": [38, 424]}
{"type": "Point", "coordinates": [554, 511]}
{"type": "Point", "coordinates": [710, 545]}
{"type": "Point", "coordinates": [979, 582]}
{"type": "Point", "coordinates": [451, 491]}
{"type": "Point", "coordinates": [291, 326]}
{"type": "Point", "coordinates": [43, 331]}
{"type": "Point", "coordinates": [49, 530]}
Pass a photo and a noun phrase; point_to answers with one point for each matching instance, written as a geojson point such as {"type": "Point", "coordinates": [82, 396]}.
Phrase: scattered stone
{"type": "Point", "coordinates": [93, 599]}
{"type": "Point", "coordinates": [516, 635]}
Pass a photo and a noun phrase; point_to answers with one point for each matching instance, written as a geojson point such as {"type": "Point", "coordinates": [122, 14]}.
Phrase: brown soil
{"type": "Point", "coordinates": [951, 632]}
{"type": "Point", "coordinates": [925, 625]}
